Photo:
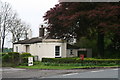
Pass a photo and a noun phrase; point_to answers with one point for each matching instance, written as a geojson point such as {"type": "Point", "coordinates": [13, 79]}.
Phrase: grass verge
{"type": "Point", "coordinates": [62, 67]}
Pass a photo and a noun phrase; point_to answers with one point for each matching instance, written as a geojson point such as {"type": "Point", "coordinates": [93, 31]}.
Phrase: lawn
{"type": "Point", "coordinates": [63, 66]}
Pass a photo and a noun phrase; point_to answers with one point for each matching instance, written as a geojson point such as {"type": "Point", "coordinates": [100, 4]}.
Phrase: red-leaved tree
{"type": "Point", "coordinates": [66, 20]}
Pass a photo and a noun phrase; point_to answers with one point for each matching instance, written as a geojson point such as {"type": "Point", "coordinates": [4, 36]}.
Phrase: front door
{"type": "Point", "coordinates": [27, 49]}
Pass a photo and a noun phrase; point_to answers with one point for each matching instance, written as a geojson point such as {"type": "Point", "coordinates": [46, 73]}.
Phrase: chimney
{"type": "Point", "coordinates": [29, 33]}
{"type": "Point", "coordinates": [41, 31]}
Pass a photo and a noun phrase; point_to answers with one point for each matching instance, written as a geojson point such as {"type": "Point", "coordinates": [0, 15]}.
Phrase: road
{"type": "Point", "coordinates": [36, 74]}
{"type": "Point", "coordinates": [108, 73]}
{"type": "Point", "coordinates": [33, 73]}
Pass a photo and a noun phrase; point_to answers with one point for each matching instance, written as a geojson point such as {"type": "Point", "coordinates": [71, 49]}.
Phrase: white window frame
{"type": "Point", "coordinates": [71, 52]}
{"type": "Point", "coordinates": [59, 51]}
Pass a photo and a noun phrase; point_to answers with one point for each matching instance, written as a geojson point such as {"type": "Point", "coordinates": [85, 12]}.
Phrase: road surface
{"type": "Point", "coordinates": [103, 73]}
{"type": "Point", "coordinates": [37, 74]}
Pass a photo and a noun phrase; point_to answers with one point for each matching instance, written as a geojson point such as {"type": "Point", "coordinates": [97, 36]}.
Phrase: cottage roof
{"type": "Point", "coordinates": [30, 41]}
{"type": "Point", "coordinates": [69, 46]}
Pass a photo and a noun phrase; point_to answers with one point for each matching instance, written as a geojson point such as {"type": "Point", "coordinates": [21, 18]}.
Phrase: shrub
{"type": "Point", "coordinates": [14, 56]}
{"type": "Point", "coordinates": [59, 60]}
{"type": "Point", "coordinates": [8, 64]}
{"type": "Point", "coordinates": [2, 54]}
{"type": "Point", "coordinates": [89, 61]}
{"type": "Point", "coordinates": [25, 55]}
{"type": "Point", "coordinates": [5, 58]}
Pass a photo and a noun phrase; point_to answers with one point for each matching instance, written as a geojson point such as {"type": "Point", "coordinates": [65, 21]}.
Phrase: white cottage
{"type": "Point", "coordinates": [46, 48]}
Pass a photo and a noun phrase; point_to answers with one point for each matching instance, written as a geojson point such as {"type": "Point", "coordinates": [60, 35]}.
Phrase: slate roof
{"type": "Point", "coordinates": [30, 41]}
{"type": "Point", "coordinates": [39, 40]}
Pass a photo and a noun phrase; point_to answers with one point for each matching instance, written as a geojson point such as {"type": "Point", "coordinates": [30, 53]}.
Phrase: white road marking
{"type": "Point", "coordinates": [97, 71]}
{"type": "Point", "coordinates": [114, 69]}
{"type": "Point", "coordinates": [70, 74]}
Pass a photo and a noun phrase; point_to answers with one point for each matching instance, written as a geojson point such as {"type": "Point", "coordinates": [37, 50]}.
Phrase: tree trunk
{"type": "Point", "coordinates": [3, 38]}
{"type": "Point", "coordinates": [0, 45]}
{"type": "Point", "coordinates": [0, 39]}
{"type": "Point", "coordinates": [100, 43]}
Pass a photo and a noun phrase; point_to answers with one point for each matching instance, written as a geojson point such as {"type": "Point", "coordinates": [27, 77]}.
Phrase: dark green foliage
{"type": "Point", "coordinates": [24, 64]}
{"type": "Point", "coordinates": [25, 55]}
{"type": "Point", "coordinates": [15, 57]}
{"type": "Point", "coordinates": [24, 58]}
{"type": "Point", "coordinates": [85, 42]}
{"type": "Point", "coordinates": [11, 58]}
{"type": "Point", "coordinates": [85, 62]}
{"type": "Point", "coordinates": [6, 64]}
{"type": "Point", "coordinates": [5, 58]}
{"type": "Point", "coordinates": [59, 60]}
{"type": "Point", "coordinates": [2, 54]}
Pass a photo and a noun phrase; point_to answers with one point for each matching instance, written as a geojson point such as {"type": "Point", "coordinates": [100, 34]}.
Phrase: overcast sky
{"type": "Point", "coordinates": [31, 12]}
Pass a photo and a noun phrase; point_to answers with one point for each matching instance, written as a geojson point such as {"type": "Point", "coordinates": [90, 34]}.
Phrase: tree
{"type": "Point", "coordinates": [4, 14]}
{"type": "Point", "coordinates": [9, 22]}
{"type": "Point", "coordinates": [85, 19]}
{"type": "Point", "coordinates": [0, 27]}
{"type": "Point", "coordinates": [17, 28]}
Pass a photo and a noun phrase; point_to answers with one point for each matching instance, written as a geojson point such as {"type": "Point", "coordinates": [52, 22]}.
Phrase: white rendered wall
{"type": "Point", "coordinates": [21, 48]}
{"type": "Point", "coordinates": [43, 50]}
{"type": "Point", "coordinates": [47, 50]}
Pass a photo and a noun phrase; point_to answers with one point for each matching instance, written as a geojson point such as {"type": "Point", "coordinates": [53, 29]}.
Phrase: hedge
{"type": "Point", "coordinates": [14, 58]}
{"type": "Point", "coordinates": [25, 55]}
{"type": "Point", "coordinates": [11, 58]}
{"type": "Point", "coordinates": [24, 58]}
{"type": "Point", "coordinates": [77, 60]}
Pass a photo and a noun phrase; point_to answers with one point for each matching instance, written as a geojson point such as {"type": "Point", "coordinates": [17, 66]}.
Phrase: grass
{"type": "Point", "coordinates": [63, 66]}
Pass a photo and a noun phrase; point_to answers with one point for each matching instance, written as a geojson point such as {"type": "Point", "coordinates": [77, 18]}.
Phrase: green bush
{"type": "Point", "coordinates": [14, 57]}
{"type": "Point", "coordinates": [24, 64]}
{"type": "Point", "coordinates": [6, 64]}
{"type": "Point", "coordinates": [25, 55]}
{"type": "Point", "coordinates": [10, 58]}
{"type": "Point", "coordinates": [86, 61]}
{"type": "Point", "coordinates": [59, 60]}
{"type": "Point", "coordinates": [25, 60]}
{"type": "Point", "coordinates": [5, 58]}
{"type": "Point", "coordinates": [2, 54]}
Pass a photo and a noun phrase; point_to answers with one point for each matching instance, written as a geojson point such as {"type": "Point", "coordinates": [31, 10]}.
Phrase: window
{"type": "Point", "coordinates": [16, 48]}
{"type": "Point", "coordinates": [57, 50]}
{"type": "Point", "coordinates": [71, 52]}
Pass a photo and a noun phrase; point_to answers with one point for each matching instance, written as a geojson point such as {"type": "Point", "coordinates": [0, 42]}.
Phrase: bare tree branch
{"type": "Point", "coordinates": [9, 22]}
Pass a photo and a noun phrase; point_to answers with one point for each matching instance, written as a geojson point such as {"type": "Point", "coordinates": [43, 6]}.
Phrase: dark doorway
{"type": "Point", "coordinates": [82, 52]}
{"type": "Point", "coordinates": [27, 48]}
